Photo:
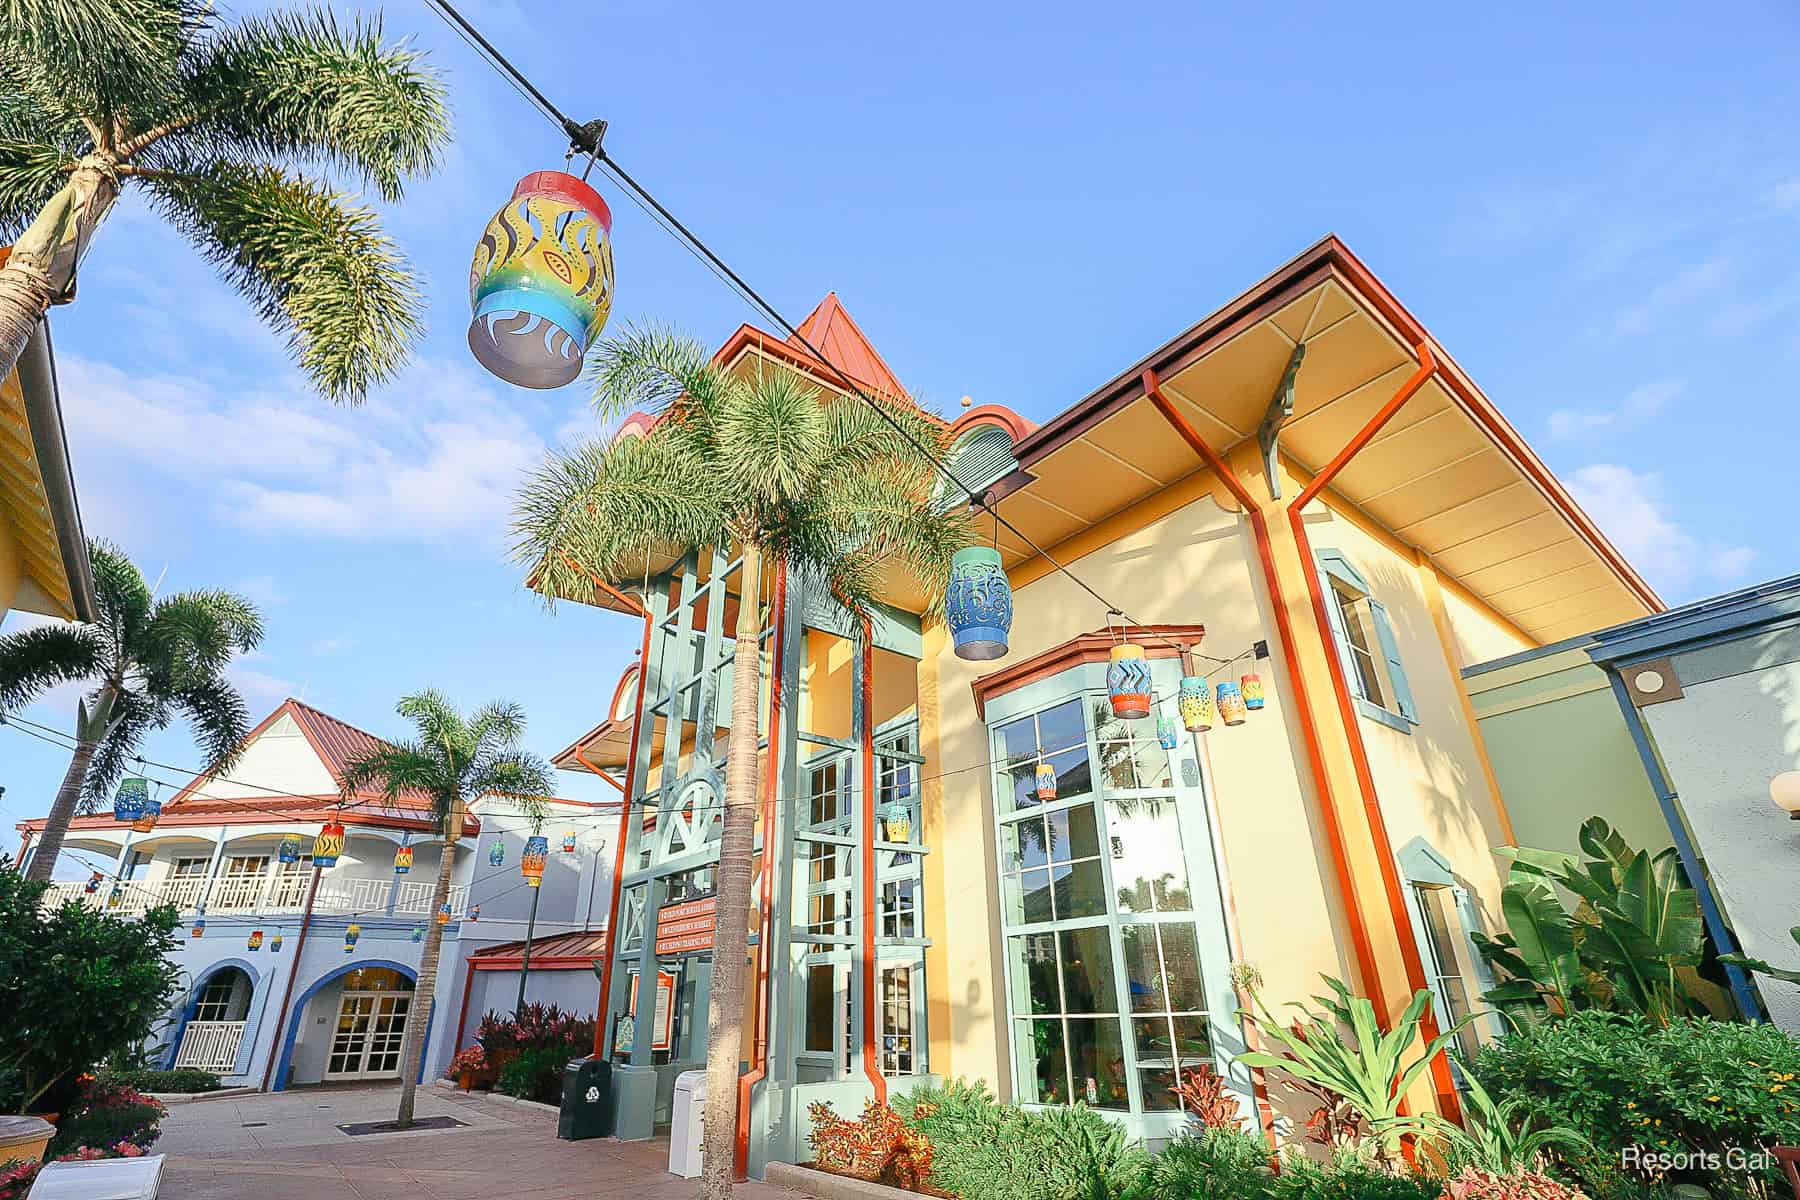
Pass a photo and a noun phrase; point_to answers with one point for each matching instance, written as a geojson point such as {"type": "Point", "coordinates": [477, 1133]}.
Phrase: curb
{"type": "Point", "coordinates": [825, 1186]}
{"type": "Point", "coordinates": [177, 1099]}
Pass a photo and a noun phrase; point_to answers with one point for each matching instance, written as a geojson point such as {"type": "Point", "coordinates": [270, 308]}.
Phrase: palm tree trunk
{"type": "Point", "coordinates": [418, 1017]}
{"type": "Point", "coordinates": [42, 262]}
{"type": "Point", "coordinates": [725, 1016]}
{"type": "Point", "coordinates": [56, 825]}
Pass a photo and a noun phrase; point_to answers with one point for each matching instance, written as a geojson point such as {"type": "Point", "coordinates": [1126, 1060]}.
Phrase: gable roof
{"type": "Point", "coordinates": [833, 333]}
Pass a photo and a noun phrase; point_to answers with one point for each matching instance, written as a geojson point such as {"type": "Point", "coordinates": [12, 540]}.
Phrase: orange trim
{"type": "Point", "coordinates": [997, 415]}
{"type": "Point", "coordinates": [462, 1017]}
{"type": "Point", "coordinates": [612, 911]}
{"type": "Point", "coordinates": [871, 1060]}
{"type": "Point", "coordinates": [759, 1045]}
{"type": "Point", "coordinates": [634, 607]}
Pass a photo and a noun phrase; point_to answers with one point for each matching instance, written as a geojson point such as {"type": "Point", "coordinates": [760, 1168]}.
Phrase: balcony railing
{"type": "Point", "coordinates": [210, 1045]}
{"type": "Point", "coordinates": [270, 892]}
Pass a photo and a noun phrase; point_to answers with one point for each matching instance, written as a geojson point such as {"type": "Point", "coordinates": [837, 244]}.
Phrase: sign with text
{"type": "Point", "coordinates": [686, 928]}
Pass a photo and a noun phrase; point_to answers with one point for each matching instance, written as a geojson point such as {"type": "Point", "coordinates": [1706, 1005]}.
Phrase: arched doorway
{"type": "Point", "coordinates": [370, 1028]}
{"type": "Point", "coordinates": [213, 1023]}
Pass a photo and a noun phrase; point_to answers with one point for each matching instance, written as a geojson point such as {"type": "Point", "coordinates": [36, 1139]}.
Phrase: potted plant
{"type": "Point", "coordinates": [468, 1067]}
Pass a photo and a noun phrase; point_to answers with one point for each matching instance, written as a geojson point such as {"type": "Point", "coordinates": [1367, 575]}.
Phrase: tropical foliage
{"type": "Point", "coordinates": [451, 760]}
{"type": "Point", "coordinates": [834, 489]}
{"type": "Point", "coordinates": [146, 660]}
{"type": "Point", "coordinates": [1634, 941]}
{"type": "Point", "coordinates": [106, 1113]}
{"type": "Point", "coordinates": [216, 123]}
{"type": "Point", "coordinates": [1763, 968]}
{"type": "Point", "coordinates": [1208, 1100]}
{"type": "Point", "coordinates": [1497, 1137]}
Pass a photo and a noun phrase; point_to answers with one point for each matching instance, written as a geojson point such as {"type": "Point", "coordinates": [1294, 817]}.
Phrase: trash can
{"type": "Point", "coordinates": [587, 1106]}
{"type": "Point", "coordinates": [684, 1134]}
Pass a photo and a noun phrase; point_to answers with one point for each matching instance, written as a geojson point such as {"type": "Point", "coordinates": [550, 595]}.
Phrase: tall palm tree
{"type": "Point", "coordinates": [211, 121]}
{"type": "Point", "coordinates": [148, 660]}
{"type": "Point", "coordinates": [782, 472]}
{"type": "Point", "coordinates": [452, 761]}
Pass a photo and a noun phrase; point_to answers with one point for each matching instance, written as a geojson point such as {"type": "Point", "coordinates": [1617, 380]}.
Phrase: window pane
{"type": "Point", "coordinates": [1034, 973]}
{"type": "Point", "coordinates": [819, 1008]}
{"type": "Point", "coordinates": [1080, 890]}
{"type": "Point", "coordinates": [1073, 834]}
{"type": "Point", "coordinates": [1108, 728]}
{"type": "Point", "coordinates": [1118, 765]}
{"type": "Point", "coordinates": [1149, 870]}
{"type": "Point", "coordinates": [1088, 971]}
{"type": "Point", "coordinates": [1098, 1060]}
{"type": "Point", "coordinates": [1143, 971]}
{"type": "Point", "coordinates": [1018, 740]}
{"type": "Point", "coordinates": [1073, 775]}
{"type": "Point", "coordinates": [1022, 844]}
{"type": "Point", "coordinates": [1061, 727]}
{"type": "Point", "coordinates": [1152, 762]}
{"type": "Point", "coordinates": [1181, 967]}
{"type": "Point", "coordinates": [1042, 1067]}
{"type": "Point", "coordinates": [1018, 787]}
{"type": "Point", "coordinates": [1034, 901]}
{"type": "Point", "coordinates": [1193, 1040]}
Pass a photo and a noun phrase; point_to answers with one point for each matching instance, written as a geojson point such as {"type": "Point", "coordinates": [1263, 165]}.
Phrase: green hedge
{"type": "Point", "coordinates": [182, 1081]}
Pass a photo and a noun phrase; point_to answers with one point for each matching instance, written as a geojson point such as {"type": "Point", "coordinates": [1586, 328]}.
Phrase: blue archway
{"type": "Point", "coordinates": [291, 1018]}
{"type": "Point", "coordinates": [193, 1000]}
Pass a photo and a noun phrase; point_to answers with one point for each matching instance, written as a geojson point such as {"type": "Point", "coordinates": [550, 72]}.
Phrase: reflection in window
{"type": "Point", "coordinates": [1051, 867]}
{"type": "Point", "coordinates": [1168, 1006]}
{"type": "Point", "coordinates": [1437, 904]}
{"type": "Point", "coordinates": [1148, 868]}
{"type": "Point", "coordinates": [1130, 756]}
{"type": "Point", "coordinates": [896, 1021]}
{"type": "Point", "coordinates": [821, 991]}
{"type": "Point", "coordinates": [1055, 736]}
{"type": "Point", "coordinates": [899, 909]}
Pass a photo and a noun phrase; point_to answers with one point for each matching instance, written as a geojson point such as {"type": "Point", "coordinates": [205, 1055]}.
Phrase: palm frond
{"type": "Point", "coordinates": [299, 85]}
{"type": "Point", "coordinates": [39, 141]}
{"type": "Point", "coordinates": [653, 369]}
{"type": "Point", "coordinates": [37, 659]}
{"type": "Point", "coordinates": [122, 598]}
{"type": "Point", "coordinates": [522, 777]}
{"type": "Point", "coordinates": [314, 265]}
{"type": "Point", "coordinates": [497, 725]}
{"type": "Point", "coordinates": [109, 58]}
{"type": "Point", "coordinates": [219, 718]}
{"type": "Point", "coordinates": [440, 726]}
{"type": "Point", "coordinates": [395, 767]}
{"type": "Point", "coordinates": [771, 440]}
{"type": "Point", "coordinates": [133, 716]}
{"type": "Point", "coordinates": [192, 636]}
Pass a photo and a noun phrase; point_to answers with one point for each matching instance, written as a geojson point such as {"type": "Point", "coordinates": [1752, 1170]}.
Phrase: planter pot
{"type": "Point", "coordinates": [466, 1081]}
{"type": "Point", "coordinates": [24, 1138]}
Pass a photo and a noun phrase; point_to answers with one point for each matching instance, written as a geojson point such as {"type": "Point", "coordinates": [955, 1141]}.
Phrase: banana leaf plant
{"type": "Point", "coordinates": [1633, 942]}
{"type": "Point", "coordinates": [1763, 968]}
{"type": "Point", "coordinates": [1367, 1069]}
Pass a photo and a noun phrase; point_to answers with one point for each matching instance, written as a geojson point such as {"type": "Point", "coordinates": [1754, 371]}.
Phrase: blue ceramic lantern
{"type": "Point", "coordinates": [1128, 682]}
{"type": "Point", "coordinates": [1231, 703]}
{"type": "Point", "coordinates": [199, 927]}
{"type": "Point", "coordinates": [289, 850]}
{"type": "Point", "coordinates": [418, 933]}
{"type": "Point", "coordinates": [275, 943]}
{"type": "Point", "coordinates": [496, 853]}
{"type": "Point", "coordinates": [978, 604]}
{"type": "Point", "coordinates": [132, 799]}
{"type": "Point", "coordinates": [1166, 736]}
{"type": "Point", "coordinates": [444, 915]}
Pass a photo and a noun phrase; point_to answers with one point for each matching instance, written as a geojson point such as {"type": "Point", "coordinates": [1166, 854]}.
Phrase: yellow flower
{"type": "Point", "coordinates": [1713, 1099]}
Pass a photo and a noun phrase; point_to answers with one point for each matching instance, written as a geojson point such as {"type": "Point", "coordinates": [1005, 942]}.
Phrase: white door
{"type": "Point", "coordinates": [370, 1029]}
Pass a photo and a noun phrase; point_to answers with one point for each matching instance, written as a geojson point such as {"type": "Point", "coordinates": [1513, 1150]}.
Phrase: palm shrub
{"type": "Point", "coordinates": [1497, 1137]}
{"type": "Point", "coordinates": [832, 487]}
{"type": "Point", "coordinates": [1218, 1162]}
{"type": "Point", "coordinates": [452, 760]}
{"type": "Point", "coordinates": [215, 123]}
{"type": "Point", "coordinates": [147, 660]}
{"type": "Point", "coordinates": [1349, 1174]}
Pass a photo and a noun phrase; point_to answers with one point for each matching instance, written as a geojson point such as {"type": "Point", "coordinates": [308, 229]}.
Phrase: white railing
{"type": "Point", "coordinates": [236, 893]}
{"type": "Point", "coordinates": [284, 893]}
{"type": "Point", "coordinates": [210, 1045]}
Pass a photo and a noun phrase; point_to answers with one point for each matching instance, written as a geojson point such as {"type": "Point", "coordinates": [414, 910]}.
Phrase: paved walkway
{"type": "Point", "coordinates": [286, 1146]}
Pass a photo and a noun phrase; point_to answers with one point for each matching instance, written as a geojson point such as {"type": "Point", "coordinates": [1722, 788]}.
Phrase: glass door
{"type": "Point", "coordinates": [367, 1040]}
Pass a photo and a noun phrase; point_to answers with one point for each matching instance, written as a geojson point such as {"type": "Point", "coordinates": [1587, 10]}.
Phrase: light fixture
{"type": "Point", "coordinates": [1784, 790]}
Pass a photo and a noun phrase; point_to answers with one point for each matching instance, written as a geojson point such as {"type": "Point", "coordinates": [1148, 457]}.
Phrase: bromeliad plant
{"type": "Point", "coordinates": [1633, 943]}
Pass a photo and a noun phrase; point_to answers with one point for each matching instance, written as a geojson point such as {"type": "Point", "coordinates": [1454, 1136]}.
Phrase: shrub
{"type": "Point", "coordinates": [1695, 1087]}
{"type": "Point", "coordinates": [1472, 1183]}
{"type": "Point", "coordinates": [1210, 1104]}
{"type": "Point", "coordinates": [16, 1176]}
{"type": "Point", "coordinates": [1351, 1174]}
{"type": "Point", "coordinates": [879, 1148]}
{"type": "Point", "coordinates": [535, 1075]}
{"type": "Point", "coordinates": [108, 1115]}
{"type": "Point", "coordinates": [984, 1150]}
{"type": "Point", "coordinates": [472, 1059]}
{"type": "Point", "coordinates": [183, 1081]}
{"type": "Point", "coordinates": [1215, 1164]}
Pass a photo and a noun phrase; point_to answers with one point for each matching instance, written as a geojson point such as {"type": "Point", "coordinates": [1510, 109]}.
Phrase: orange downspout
{"type": "Point", "coordinates": [1359, 753]}
{"type": "Point", "coordinates": [612, 911]}
{"type": "Point", "coordinates": [871, 1060]}
{"type": "Point", "coordinates": [759, 1048]}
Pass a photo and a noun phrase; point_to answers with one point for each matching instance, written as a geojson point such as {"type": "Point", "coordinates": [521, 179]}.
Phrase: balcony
{"type": "Point", "coordinates": [270, 893]}
{"type": "Point", "coordinates": [210, 1045]}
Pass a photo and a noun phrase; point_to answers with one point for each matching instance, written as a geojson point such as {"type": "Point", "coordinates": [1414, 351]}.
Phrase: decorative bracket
{"type": "Point", "coordinates": [1281, 407]}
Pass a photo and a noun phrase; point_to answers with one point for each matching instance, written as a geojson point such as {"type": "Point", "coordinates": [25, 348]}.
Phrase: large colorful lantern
{"type": "Point", "coordinates": [496, 853]}
{"type": "Point", "coordinates": [147, 819]}
{"type": "Point", "coordinates": [474, 913]}
{"type": "Point", "coordinates": [978, 604]}
{"type": "Point", "coordinates": [1166, 735]}
{"type": "Point", "coordinates": [93, 883]}
{"type": "Point", "coordinates": [255, 940]}
{"type": "Point", "coordinates": [531, 863]}
{"type": "Point", "coordinates": [328, 845]}
{"type": "Point", "coordinates": [403, 860]}
{"type": "Point", "coordinates": [275, 943]}
{"type": "Point", "coordinates": [1196, 704]}
{"type": "Point", "coordinates": [541, 283]}
{"type": "Point", "coordinates": [568, 842]}
{"type": "Point", "coordinates": [199, 927]}
{"type": "Point", "coordinates": [444, 914]}
{"type": "Point", "coordinates": [132, 798]}
{"type": "Point", "coordinates": [350, 935]}
{"type": "Point", "coordinates": [1128, 682]}
{"type": "Point", "coordinates": [1046, 782]}
{"type": "Point", "coordinates": [289, 849]}
{"type": "Point", "coordinates": [1253, 691]}
{"type": "Point", "coordinates": [1231, 703]}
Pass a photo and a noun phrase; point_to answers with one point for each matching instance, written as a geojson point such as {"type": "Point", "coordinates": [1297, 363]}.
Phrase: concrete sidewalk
{"type": "Point", "coordinates": [286, 1146]}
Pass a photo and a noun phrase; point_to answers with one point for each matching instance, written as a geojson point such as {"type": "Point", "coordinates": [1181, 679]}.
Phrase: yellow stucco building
{"type": "Point", "coordinates": [43, 553]}
{"type": "Point", "coordinates": [1304, 487]}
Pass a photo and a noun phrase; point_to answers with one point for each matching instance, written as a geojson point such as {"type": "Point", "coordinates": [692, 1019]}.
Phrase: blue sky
{"type": "Point", "coordinates": [1595, 210]}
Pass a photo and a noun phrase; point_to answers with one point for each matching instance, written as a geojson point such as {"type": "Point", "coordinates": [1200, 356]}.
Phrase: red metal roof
{"type": "Point", "coordinates": [834, 334]}
{"type": "Point", "coordinates": [338, 744]}
{"type": "Point", "coordinates": [579, 946]}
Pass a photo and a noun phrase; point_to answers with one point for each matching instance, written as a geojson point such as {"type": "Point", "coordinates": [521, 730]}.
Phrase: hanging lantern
{"type": "Point", "coordinates": [1046, 781]}
{"type": "Point", "coordinates": [568, 845]}
{"type": "Point", "coordinates": [114, 896]}
{"type": "Point", "coordinates": [978, 604]}
{"type": "Point", "coordinates": [1253, 691]}
{"type": "Point", "coordinates": [444, 915]}
{"type": "Point", "coordinates": [496, 853]}
{"type": "Point", "coordinates": [132, 798]}
{"type": "Point", "coordinates": [418, 933]}
{"type": "Point", "coordinates": [474, 913]}
{"type": "Point", "coordinates": [403, 860]}
{"type": "Point", "coordinates": [199, 928]}
{"type": "Point", "coordinates": [275, 943]}
{"type": "Point", "coordinates": [328, 845]}
{"type": "Point", "coordinates": [289, 849]}
{"type": "Point", "coordinates": [350, 935]}
{"type": "Point", "coordinates": [146, 820]}
{"type": "Point", "coordinates": [531, 863]}
{"type": "Point", "coordinates": [1196, 704]}
{"type": "Point", "coordinates": [1231, 703]}
{"type": "Point", "coordinates": [93, 883]}
{"type": "Point", "coordinates": [1128, 682]}
{"type": "Point", "coordinates": [541, 284]}
{"type": "Point", "coordinates": [1166, 735]}
{"type": "Point", "coordinates": [255, 940]}
{"type": "Point", "coordinates": [897, 818]}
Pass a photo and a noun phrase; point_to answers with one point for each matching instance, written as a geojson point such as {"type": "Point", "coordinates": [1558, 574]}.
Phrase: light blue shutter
{"type": "Point", "coordinates": [1384, 630]}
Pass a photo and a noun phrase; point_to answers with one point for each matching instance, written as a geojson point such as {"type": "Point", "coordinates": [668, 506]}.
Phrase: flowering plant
{"type": "Point", "coordinates": [16, 1177]}
{"type": "Point", "coordinates": [471, 1059]}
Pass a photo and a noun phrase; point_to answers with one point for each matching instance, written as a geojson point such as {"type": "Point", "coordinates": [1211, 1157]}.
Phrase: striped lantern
{"type": "Point", "coordinates": [350, 935]}
{"type": "Point", "coordinates": [1231, 704]}
{"type": "Point", "coordinates": [568, 845]}
{"type": "Point", "coordinates": [496, 853]}
{"type": "Point", "coordinates": [1046, 782]}
{"type": "Point", "coordinates": [199, 927]}
{"type": "Point", "coordinates": [93, 883]}
{"type": "Point", "coordinates": [474, 913]}
{"type": "Point", "coordinates": [444, 915]}
{"type": "Point", "coordinates": [1166, 735]}
{"type": "Point", "coordinates": [1128, 682]}
{"type": "Point", "coordinates": [1196, 704]}
{"type": "Point", "coordinates": [1253, 691]}
{"type": "Point", "coordinates": [328, 845]}
{"type": "Point", "coordinates": [289, 850]}
{"type": "Point", "coordinates": [978, 604]}
{"type": "Point", "coordinates": [403, 860]}
{"type": "Point", "coordinates": [254, 942]}
{"type": "Point", "coordinates": [896, 819]}
{"type": "Point", "coordinates": [531, 863]}
{"type": "Point", "coordinates": [132, 798]}
{"type": "Point", "coordinates": [275, 943]}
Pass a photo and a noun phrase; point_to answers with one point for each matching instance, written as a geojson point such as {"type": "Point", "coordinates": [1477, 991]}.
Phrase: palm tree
{"type": "Point", "coordinates": [210, 119]}
{"type": "Point", "coordinates": [769, 465]}
{"type": "Point", "coordinates": [452, 761]}
{"type": "Point", "coordinates": [148, 660]}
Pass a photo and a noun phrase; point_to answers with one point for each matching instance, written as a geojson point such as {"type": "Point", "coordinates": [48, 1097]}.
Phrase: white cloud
{"type": "Point", "coordinates": [261, 690]}
{"type": "Point", "coordinates": [1639, 405]}
{"type": "Point", "coordinates": [1629, 508]}
{"type": "Point", "coordinates": [264, 591]}
{"type": "Point", "coordinates": [1677, 292]}
{"type": "Point", "coordinates": [1786, 195]}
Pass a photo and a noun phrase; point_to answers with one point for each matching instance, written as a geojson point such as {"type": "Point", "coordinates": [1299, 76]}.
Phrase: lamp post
{"type": "Point", "coordinates": [1784, 790]}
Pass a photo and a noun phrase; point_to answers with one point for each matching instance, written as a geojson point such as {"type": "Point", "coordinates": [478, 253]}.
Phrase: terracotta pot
{"type": "Point", "coordinates": [466, 1080]}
